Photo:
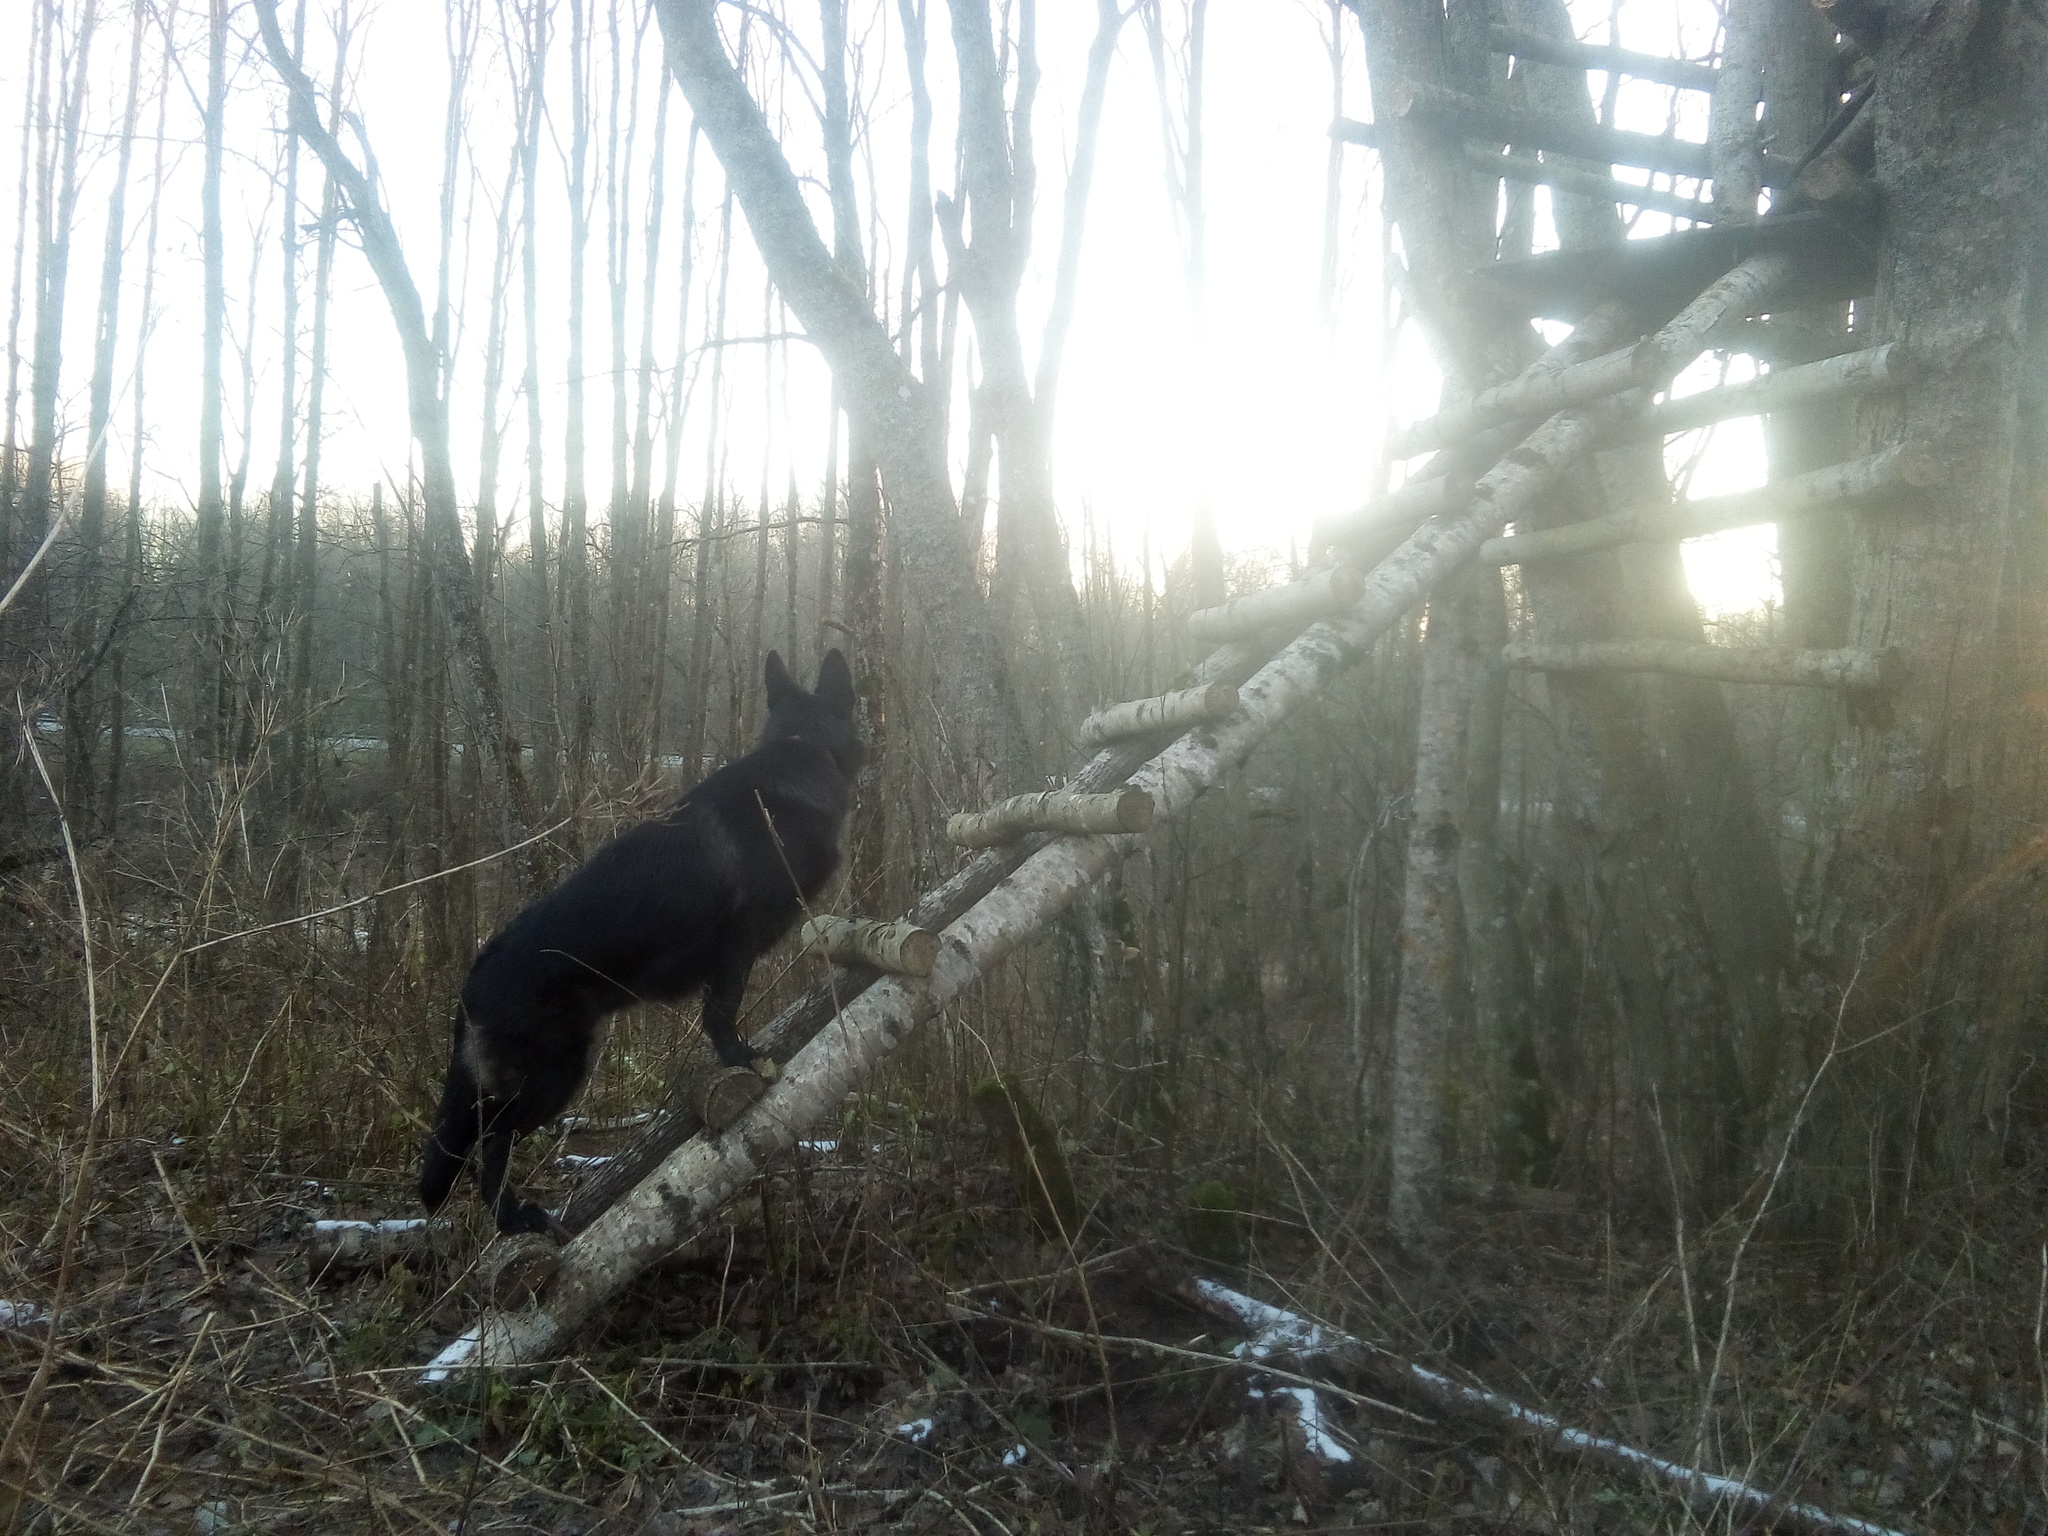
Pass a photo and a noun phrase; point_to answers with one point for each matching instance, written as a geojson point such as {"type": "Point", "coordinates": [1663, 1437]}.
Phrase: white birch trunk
{"type": "Point", "coordinates": [900, 948]}
{"type": "Point", "coordinates": [1170, 711]}
{"type": "Point", "coordinates": [1051, 810]}
{"type": "Point", "coordinates": [1904, 467]}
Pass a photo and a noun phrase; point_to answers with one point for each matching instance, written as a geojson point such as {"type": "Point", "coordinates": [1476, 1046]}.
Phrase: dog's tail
{"type": "Point", "coordinates": [457, 1125]}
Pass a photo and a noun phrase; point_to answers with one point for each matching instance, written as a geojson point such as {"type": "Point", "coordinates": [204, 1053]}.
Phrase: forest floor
{"type": "Point", "coordinates": [879, 1342]}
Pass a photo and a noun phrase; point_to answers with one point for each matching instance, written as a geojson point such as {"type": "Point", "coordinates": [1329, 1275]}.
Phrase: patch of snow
{"type": "Point", "coordinates": [1308, 1413]}
{"type": "Point", "coordinates": [582, 1160]}
{"type": "Point", "coordinates": [22, 1314]}
{"type": "Point", "coordinates": [1273, 1331]}
{"type": "Point", "coordinates": [452, 1359]}
{"type": "Point", "coordinates": [385, 1228]}
{"type": "Point", "coordinates": [827, 1145]}
{"type": "Point", "coordinates": [917, 1431]}
{"type": "Point", "coordinates": [1014, 1456]}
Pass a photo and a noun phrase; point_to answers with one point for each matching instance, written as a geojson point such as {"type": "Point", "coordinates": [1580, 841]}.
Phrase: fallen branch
{"type": "Point", "coordinates": [335, 1248]}
{"type": "Point", "coordinates": [1273, 1333]}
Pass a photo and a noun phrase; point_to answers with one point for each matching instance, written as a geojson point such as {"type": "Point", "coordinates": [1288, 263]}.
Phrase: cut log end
{"type": "Point", "coordinates": [516, 1269]}
{"type": "Point", "coordinates": [729, 1095]}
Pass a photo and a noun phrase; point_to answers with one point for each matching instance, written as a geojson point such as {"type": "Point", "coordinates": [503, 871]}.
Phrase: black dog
{"type": "Point", "coordinates": [686, 901]}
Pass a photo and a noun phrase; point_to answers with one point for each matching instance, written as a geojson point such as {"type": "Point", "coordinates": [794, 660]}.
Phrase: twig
{"type": "Point", "coordinates": [389, 890]}
{"type": "Point", "coordinates": [1771, 1188]}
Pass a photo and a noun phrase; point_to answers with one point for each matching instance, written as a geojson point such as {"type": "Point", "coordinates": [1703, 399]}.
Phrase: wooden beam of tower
{"type": "Point", "coordinates": [1588, 184]}
{"type": "Point", "coordinates": [1780, 664]}
{"type": "Point", "coordinates": [1572, 54]}
{"type": "Point", "coordinates": [1650, 363]}
{"type": "Point", "coordinates": [1857, 482]}
{"type": "Point", "coordinates": [1843, 377]}
{"type": "Point", "coordinates": [1470, 117]}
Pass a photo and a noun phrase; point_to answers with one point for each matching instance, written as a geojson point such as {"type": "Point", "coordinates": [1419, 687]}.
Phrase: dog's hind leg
{"type": "Point", "coordinates": [457, 1123]}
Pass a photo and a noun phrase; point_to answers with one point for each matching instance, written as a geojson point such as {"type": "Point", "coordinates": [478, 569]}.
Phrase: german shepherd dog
{"type": "Point", "coordinates": [688, 900]}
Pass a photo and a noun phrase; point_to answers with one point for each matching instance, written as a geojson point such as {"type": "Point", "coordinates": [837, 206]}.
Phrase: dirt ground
{"type": "Point", "coordinates": [880, 1341]}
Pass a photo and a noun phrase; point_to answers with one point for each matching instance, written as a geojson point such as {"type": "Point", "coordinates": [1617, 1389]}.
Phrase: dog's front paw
{"type": "Point", "coordinates": [529, 1217]}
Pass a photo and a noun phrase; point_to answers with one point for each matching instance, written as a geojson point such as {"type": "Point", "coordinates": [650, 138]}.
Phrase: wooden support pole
{"type": "Point", "coordinates": [1168, 712]}
{"type": "Point", "coordinates": [1780, 664]}
{"type": "Point", "coordinates": [900, 948]}
{"type": "Point", "coordinates": [1577, 183]}
{"type": "Point", "coordinates": [1651, 363]}
{"type": "Point", "coordinates": [1299, 603]}
{"type": "Point", "coordinates": [1517, 399]}
{"type": "Point", "coordinates": [1489, 161]}
{"type": "Point", "coordinates": [1908, 466]}
{"type": "Point", "coordinates": [1423, 497]}
{"type": "Point", "coordinates": [1832, 378]}
{"type": "Point", "coordinates": [1451, 112]}
{"type": "Point", "coordinates": [1050, 810]}
{"type": "Point", "coordinates": [1525, 44]}
{"type": "Point", "coordinates": [1741, 290]}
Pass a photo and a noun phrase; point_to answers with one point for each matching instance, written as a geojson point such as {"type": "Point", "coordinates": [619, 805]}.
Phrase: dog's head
{"type": "Point", "coordinates": [823, 718]}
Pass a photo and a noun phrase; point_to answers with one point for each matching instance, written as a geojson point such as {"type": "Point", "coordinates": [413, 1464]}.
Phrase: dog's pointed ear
{"type": "Point", "coordinates": [780, 684]}
{"type": "Point", "coordinates": [835, 684]}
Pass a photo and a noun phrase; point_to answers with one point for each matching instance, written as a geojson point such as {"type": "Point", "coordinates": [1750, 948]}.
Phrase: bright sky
{"type": "Point", "coordinates": [1274, 423]}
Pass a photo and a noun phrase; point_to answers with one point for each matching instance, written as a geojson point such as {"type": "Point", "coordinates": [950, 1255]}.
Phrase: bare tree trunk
{"type": "Point", "coordinates": [491, 436]}
{"type": "Point", "coordinates": [35, 108]}
{"type": "Point", "coordinates": [1926, 914]}
{"type": "Point", "coordinates": [429, 414]}
{"type": "Point", "coordinates": [82, 703]}
{"type": "Point", "coordinates": [1001, 185]}
{"type": "Point", "coordinates": [896, 411]}
{"type": "Point", "coordinates": [277, 532]}
{"type": "Point", "coordinates": [635, 550]}
{"type": "Point", "coordinates": [305, 574]}
{"type": "Point", "coordinates": [655, 602]}
{"type": "Point", "coordinates": [530, 98]}
{"type": "Point", "coordinates": [708, 521]}
{"type": "Point", "coordinates": [1181, 142]}
{"type": "Point", "coordinates": [212, 693]}
{"type": "Point", "coordinates": [56, 214]}
{"type": "Point", "coordinates": [131, 553]}
{"type": "Point", "coordinates": [1433, 998]}
{"type": "Point", "coordinates": [574, 607]}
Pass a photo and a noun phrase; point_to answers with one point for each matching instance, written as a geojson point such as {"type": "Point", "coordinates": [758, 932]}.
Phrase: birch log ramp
{"type": "Point", "coordinates": [689, 1187]}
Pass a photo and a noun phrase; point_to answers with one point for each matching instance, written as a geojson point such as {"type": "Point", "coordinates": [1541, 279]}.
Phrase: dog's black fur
{"type": "Point", "coordinates": [689, 900]}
